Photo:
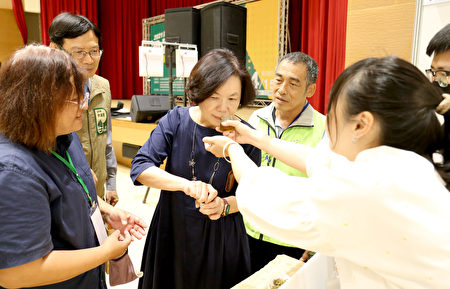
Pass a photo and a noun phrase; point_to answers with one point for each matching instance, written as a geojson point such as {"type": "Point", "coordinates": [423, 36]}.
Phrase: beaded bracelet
{"type": "Point", "coordinates": [230, 142]}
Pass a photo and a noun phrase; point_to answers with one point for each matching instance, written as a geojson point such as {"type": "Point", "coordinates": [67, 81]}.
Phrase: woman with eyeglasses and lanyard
{"type": "Point", "coordinates": [52, 232]}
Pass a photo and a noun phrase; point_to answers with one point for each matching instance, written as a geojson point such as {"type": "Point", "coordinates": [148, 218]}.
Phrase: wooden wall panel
{"type": "Point", "coordinates": [379, 28]}
{"type": "Point", "coordinates": [10, 38]}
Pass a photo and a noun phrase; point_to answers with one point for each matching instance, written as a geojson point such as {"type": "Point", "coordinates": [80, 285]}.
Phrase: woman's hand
{"type": "Point", "coordinates": [213, 209]}
{"type": "Point", "coordinates": [116, 244]}
{"type": "Point", "coordinates": [241, 133]}
{"type": "Point", "coordinates": [215, 144]}
{"type": "Point", "coordinates": [126, 222]}
{"type": "Point", "coordinates": [203, 193]}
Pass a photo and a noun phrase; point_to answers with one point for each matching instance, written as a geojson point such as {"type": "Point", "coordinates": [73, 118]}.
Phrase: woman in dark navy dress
{"type": "Point", "coordinates": [185, 248]}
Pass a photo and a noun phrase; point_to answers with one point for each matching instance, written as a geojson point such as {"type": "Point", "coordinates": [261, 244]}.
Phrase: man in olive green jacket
{"type": "Point", "coordinates": [79, 37]}
{"type": "Point", "coordinates": [289, 117]}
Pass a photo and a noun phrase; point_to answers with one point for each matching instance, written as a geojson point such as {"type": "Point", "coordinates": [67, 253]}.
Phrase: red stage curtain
{"type": "Point", "coordinates": [295, 25]}
{"type": "Point", "coordinates": [121, 26]}
{"type": "Point", "coordinates": [324, 25]}
{"type": "Point", "coordinates": [20, 19]}
{"type": "Point", "coordinates": [51, 8]}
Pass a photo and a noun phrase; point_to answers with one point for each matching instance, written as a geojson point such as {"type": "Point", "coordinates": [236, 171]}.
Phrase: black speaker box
{"type": "Point", "coordinates": [182, 25]}
{"type": "Point", "coordinates": [224, 25]}
{"type": "Point", "coordinates": [148, 108]}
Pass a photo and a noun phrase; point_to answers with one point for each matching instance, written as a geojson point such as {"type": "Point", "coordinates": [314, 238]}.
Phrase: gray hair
{"type": "Point", "coordinates": [312, 70]}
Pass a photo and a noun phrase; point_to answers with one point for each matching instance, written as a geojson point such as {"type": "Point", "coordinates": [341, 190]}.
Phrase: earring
{"type": "Point", "coordinates": [355, 138]}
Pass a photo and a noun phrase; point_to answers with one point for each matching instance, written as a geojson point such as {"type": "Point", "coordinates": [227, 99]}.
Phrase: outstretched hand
{"type": "Point", "coordinates": [241, 133]}
{"type": "Point", "coordinates": [215, 144]}
{"type": "Point", "coordinates": [126, 222]}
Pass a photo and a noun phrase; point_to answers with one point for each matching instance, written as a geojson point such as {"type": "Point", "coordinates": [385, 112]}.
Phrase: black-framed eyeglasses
{"type": "Point", "coordinates": [441, 76]}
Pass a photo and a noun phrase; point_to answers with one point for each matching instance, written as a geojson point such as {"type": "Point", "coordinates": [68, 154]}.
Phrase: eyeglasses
{"type": "Point", "coordinates": [82, 103]}
{"type": "Point", "coordinates": [94, 54]}
{"type": "Point", "coordinates": [441, 76]}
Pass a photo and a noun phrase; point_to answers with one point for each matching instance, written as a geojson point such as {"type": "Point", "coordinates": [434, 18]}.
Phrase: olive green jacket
{"type": "Point", "coordinates": [308, 129]}
{"type": "Point", "coordinates": [96, 135]}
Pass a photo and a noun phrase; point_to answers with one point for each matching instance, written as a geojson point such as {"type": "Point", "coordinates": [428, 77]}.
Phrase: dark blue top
{"type": "Point", "coordinates": [184, 248]}
{"type": "Point", "coordinates": [43, 207]}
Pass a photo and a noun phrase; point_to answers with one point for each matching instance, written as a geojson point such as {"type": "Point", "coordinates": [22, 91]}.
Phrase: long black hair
{"type": "Point", "coordinates": [404, 102]}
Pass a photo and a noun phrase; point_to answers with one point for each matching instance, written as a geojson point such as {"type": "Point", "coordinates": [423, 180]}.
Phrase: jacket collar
{"type": "Point", "coordinates": [94, 87]}
{"type": "Point", "coordinates": [305, 119]}
{"type": "Point", "coordinates": [63, 142]}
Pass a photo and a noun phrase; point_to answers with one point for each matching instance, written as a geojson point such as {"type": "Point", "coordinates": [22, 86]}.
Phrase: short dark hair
{"type": "Point", "coordinates": [440, 41]}
{"type": "Point", "coordinates": [312, 70]}
{"type": "Point", "coordinates": [212, 70]}
{"type": "Point", "coordinates": [34, 84]}
{"type": "Point", "coordinates": [67, 26]}
{"type": "Point", "coordinates": [400, 97]}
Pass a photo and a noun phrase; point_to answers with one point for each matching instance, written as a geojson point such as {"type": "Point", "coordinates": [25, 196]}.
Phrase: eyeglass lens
{"type": "Point", "coordinates": [96, 53]}
{"type": "Point", "coordinates": [440, 76]}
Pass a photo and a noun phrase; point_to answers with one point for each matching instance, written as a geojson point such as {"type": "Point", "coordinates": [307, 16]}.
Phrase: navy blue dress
{"type": "Point", "coordinates": [184, 248]}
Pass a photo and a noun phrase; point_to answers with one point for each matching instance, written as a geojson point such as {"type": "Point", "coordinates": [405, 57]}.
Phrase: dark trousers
{"type": "Point", "coordinates": [262, 252]}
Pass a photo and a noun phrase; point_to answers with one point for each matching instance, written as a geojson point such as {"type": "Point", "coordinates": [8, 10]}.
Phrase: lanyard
{"type": "Point", "coordinates": [70, 165]}
{"type": "Point", "coordinates": [268, 157]}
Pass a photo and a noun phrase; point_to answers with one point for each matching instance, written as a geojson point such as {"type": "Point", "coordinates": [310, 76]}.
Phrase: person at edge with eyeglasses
{"type": "Point", "coordinates": [438, 74]}
{"type": "Point", "coordinates": [439, 47]}
{"type": "Point", "coordinates": [80, 38]}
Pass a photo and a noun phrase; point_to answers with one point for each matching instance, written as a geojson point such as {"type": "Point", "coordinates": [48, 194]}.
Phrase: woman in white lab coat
{"type": "Point", "coordinates": [374, 201]}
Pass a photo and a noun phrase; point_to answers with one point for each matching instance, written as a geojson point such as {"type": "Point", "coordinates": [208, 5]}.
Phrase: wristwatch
{"type": "Point", "coordinates": [226, 208]}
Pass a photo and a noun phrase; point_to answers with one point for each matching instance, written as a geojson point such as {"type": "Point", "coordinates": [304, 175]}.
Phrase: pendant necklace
{"type": "Point", "coordinates": [192, 160]}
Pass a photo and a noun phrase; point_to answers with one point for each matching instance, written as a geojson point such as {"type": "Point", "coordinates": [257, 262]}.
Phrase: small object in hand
{"type": "Point", "coordinates": [225, 118]}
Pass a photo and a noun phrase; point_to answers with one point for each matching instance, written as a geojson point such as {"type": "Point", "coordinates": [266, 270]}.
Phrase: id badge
{"type": "Point", "coordinates": [97, 221]}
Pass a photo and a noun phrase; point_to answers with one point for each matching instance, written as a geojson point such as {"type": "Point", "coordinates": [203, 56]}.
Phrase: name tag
{"type": "Point", "coordinates": [97, 222]}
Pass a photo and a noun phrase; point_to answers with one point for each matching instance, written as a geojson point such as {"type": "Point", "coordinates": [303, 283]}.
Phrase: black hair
{"type": "Point", "coordinates": [440, 41]}
{"type": "Point", "coordinates": [312, 70]}
{"type": "Point", "coordinates": [212, 70]}
{"type": "Point", "coordinates": [67, 26]}
{"type": "Point", "coordinates": [401, 98]}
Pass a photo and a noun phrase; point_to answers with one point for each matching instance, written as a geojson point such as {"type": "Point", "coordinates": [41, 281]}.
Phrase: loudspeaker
{"type": "Point", "coordinates": [182, 25]}
{"type": "Point", "coordinates": [129, 150]}
{"type": "Point", "coordinates": [148, 108]}
{"type": "Point", "coordinates": [224, 25]}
